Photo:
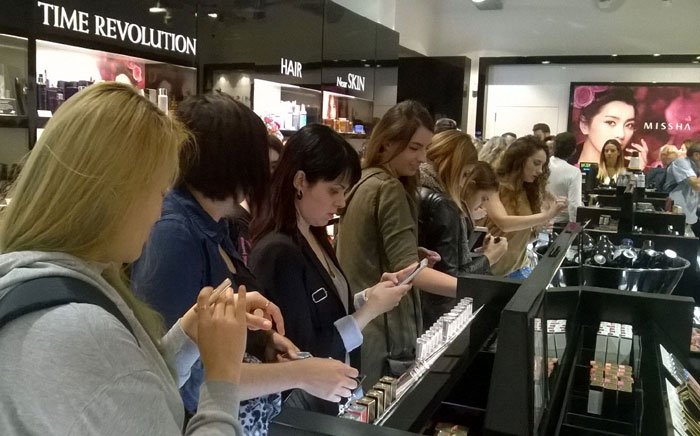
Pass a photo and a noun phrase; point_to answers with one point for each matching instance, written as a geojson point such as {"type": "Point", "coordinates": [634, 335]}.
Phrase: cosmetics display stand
{"type": "Point", "coordinates": [533, 394]}
{"type": "Point", "coordinates": [448, 374]}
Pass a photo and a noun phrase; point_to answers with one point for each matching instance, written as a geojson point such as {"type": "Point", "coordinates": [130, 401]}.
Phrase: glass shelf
{"type": "Point", "coordinates": [65, 69]}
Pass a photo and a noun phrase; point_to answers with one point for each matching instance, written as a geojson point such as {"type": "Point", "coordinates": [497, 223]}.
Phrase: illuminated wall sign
{"type": "Point", "coordinates": [78, 21]}
{"type": "Point", "coordinates": [355, 82]}
{"type": "Point", "coordinates": [289, 67]}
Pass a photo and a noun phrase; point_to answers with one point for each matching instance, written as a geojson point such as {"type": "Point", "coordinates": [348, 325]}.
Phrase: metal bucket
{"type": "Point", "coordinates": [653, 280]}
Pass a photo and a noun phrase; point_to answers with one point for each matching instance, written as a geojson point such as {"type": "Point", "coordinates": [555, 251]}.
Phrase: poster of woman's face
{"type": "Point", "coordinates": [643, 117]}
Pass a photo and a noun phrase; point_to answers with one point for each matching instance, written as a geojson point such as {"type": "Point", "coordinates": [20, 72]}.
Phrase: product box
{"type": "Point", "coordinates": [551, 344]}
{"type": "Point", "coordinates": [371, 405]}
{"type": "Point", "coordinates": [613, 346]}
{"type": "Point", "coordinates": [379, 397]}
{"type": "Point", "coordinates": [625, 352]}
{"type": "Point", "coordinates": [601, 342]}
{"type": "Point", "coordinates": [560, 337]}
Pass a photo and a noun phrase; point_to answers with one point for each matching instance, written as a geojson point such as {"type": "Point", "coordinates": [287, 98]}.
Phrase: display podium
{"type": "Point", "coordinates": [536, 378]}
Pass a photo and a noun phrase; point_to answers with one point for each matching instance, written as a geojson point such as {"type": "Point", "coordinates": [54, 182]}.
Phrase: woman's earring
{"type": "Point", "coordinates": [300, 194]}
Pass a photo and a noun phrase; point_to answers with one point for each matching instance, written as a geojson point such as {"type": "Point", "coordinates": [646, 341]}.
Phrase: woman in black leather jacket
{"type": "Point", "coordinates": [445, 221]}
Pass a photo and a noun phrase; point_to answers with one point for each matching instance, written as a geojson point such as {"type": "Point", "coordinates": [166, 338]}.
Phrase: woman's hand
{"type": "Point", "coordinates": [643, 150]}
{"type": "Point", "coordinates": [399, 276]}
{"type": "Point", "coordinates": [262, 312]}
{"type": "Point", "coordinates": [277, 346]}
{"type": "Point", "coordinates": [327, 379]}
{"type": "Point", "coordinates": [259, 313]}
{"type": "Point", "coordinates": [432, 256]}
{"type": "Point", "coordinates": [553, 207]}
{"type": "Point", "coordinates": [383, 297]}
{"type": "Point", "coordinates": [221, 328]}
{"type": "Point", "coordinates": [494, 248]}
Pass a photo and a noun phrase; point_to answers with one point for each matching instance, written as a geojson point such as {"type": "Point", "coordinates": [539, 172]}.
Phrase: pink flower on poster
{"type": "Point", "coordinates": [583, 96]}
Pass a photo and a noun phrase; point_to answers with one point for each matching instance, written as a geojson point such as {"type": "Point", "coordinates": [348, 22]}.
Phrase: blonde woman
{"type": "Point", "coordinates": [493, 149]}
{"type": "Point", "coordinates": [612, 162]}
{"type": "Point", "coordinates": [444, 223]}
{"type": "Point", "coordinates": [82, 207]}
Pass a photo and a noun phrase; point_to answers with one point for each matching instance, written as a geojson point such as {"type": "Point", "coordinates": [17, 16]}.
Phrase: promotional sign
{"type": "Point", "coordinates": [643, 117]}
{"type": "Point", "coordinates": [167, 32]}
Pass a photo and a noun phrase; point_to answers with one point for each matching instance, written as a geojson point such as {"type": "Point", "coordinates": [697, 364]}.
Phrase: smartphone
{"type": "Point", "coordinates": [423, 263]}
{"type": "Point", "coordinates": [300, 355]}
{"type": "Point", "coordinates": [219, 290]}
{"type": "Point", "coordinates": [476, 239]}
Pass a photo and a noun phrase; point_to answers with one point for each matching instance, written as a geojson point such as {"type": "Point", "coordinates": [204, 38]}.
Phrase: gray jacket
{"type": "Point", "coordinates": [76, 370]}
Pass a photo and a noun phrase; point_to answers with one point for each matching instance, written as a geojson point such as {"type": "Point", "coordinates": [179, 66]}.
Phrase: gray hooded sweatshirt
{"type": "Point", "coordinates": [76, 370]}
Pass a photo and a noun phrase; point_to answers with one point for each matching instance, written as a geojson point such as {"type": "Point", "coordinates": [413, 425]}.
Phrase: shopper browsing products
{"type": "Point", "coordinates": [378, 232]}
{"type": "Point", "coordinates": [445, 224]}
{"type": "Point", "coordinates": [522, 206]}
{"type": "Point", "coordinates": [190, 246]}
{"type": "Point", "coordinates": [295, 262]}
{"type": "Point", "coordinates": [82, 207]}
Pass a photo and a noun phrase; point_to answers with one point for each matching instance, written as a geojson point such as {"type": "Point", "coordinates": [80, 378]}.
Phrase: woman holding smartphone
{"type": "Point", "coordinates": [445, 223]}
{"type": "Point", "coordinates": [378, 232]}
{"type": "Point", "coordinates": [294, 261]}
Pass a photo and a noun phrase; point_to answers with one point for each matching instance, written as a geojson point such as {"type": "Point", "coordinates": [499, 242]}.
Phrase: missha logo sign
{"type": "Point", "coordinates": [79, 21]}
{"type": "Point", "coordinates": [354, 82]}
{"type": "Point", "coordinates": [666, 126]}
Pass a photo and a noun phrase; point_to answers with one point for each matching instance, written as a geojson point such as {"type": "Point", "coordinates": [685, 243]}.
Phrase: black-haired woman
{"type": "Point", "coordinates": [294, 261]}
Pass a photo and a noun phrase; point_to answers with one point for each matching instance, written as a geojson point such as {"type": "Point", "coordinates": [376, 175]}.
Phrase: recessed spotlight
{"type": "Point", "coordinates": [614, 55]}
{"type": "Point", "coordinates": [157, 9]}
{"type": "Point", "coordinates": [656, 55]}
{"type": "Point", "coordinates": [697, 57]}
{"type": "Point", "coordinates": [545, 62]}
{"type": "Point", "coordinates": [478, 1]}
{"type": "Point", "coordinates": [213, 15]}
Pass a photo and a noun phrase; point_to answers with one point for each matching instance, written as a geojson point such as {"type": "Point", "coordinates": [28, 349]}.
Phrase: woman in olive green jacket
{"type": "Point", "coordinates": [378, 232]}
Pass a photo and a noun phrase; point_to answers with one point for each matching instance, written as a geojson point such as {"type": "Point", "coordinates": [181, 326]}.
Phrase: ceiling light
{"type": "Point", "coordinates": [656, 55]}
{"type": "Point", "coordinates": [545, 62]}
{"type": "Point", "coordinates": [213, 15]}
{"type": "Point", "coordinates": [614, 55]}
{"type": "Point", "coordinates": [697, 57]}
{"type": "Point", "coordinates": [488, 5]}
{"type": "Point", "coordinates": [696, 62]}
{"type": "Point", "coordinates": [157, 9]}
{"type": "Point", "coordinates": [478, 1]}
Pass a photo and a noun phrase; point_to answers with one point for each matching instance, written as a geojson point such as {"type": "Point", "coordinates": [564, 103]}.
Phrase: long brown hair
{"type": "Point", "coordinates": [398, 125]}
{"type": "Point", "coordinates": [450, 152]}
{"type": "Point", "coordinates": [603, 170]}
{"type": "Point", "coordinates": [510, 173]}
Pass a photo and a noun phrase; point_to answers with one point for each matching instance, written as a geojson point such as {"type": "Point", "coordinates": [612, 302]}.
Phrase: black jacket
{"type": "Point", "coordinates": [442, 228]}
{"type": "Point", "coordinates": [291, 275]}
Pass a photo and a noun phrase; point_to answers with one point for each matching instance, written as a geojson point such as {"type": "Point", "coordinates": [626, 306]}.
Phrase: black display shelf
{"type": "Point", "coordinates": [14, 121]}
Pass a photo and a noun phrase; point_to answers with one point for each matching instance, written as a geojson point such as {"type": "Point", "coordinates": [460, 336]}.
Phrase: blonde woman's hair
{"type": "Point", "coordinates": [93, 161]}
{"type": "Point", "coordinates": [604, 172]}
{"type": "Point", "coordinates": [450, 152]}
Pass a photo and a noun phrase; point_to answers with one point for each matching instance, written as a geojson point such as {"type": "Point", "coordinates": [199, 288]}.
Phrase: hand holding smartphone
{"type": "Point", "coordinates": [420, 267]}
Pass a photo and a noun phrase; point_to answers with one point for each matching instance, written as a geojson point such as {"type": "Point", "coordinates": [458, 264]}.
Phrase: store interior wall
{"type": "Point", "coordinates": [518, 96]}
{"type": "Point", "coordinates": [408, 17]}
{"type": "Point", "coordinates": [559, 27]}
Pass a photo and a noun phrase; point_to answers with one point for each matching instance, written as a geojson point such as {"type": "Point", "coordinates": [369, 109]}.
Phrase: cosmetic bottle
{"type": "Point", "coordinates": [41, 93]}
{"type": "Point", "coordinates": [153, 96]}
{"type": "Point", "coordinates": [302, 116]}
{"type": "Point", "coordinates": [295, 117]}
{"type": "Point", "coordinates": [163, 100]}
